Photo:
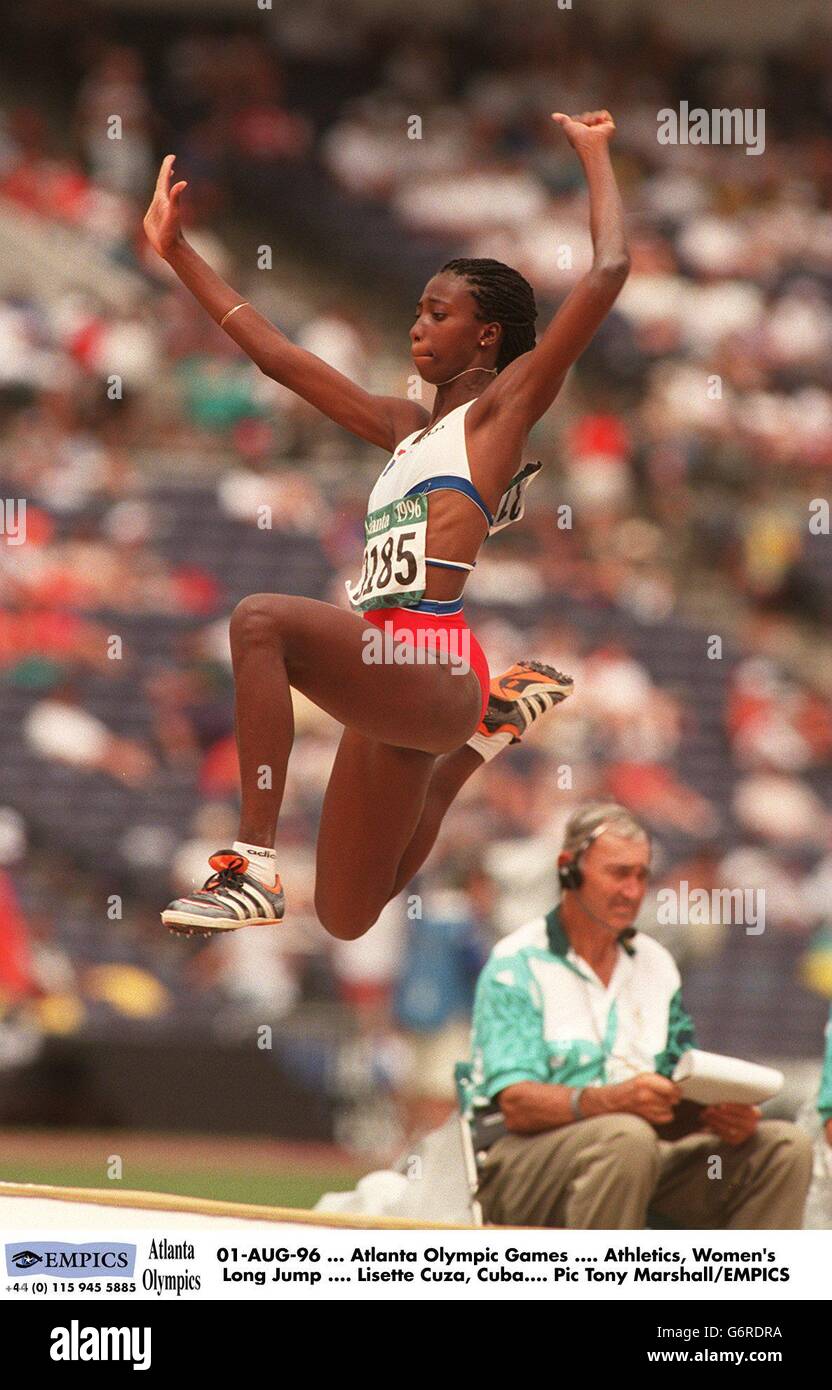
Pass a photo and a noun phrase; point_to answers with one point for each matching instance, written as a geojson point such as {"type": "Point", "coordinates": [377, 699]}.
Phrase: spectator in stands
{"type": "Point", "coordinates": [578, 1026]}
{"type": "Point", "coordinates": [261, 126]}
{"type": "Point", "coordinates": [49, 639]}
{"type": "Point", "coordinates": [441, 959]}
{"type": "Point", "coordinates": [825, 1093]}
{"type": "Point", "coordinates": [61, 729]}
{"type": "Point", "coordinates": [121, 158]}
{"type": "Point", "coordinates": [17, 973]}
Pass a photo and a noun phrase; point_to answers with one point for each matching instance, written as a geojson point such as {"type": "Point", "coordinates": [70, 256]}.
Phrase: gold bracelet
{"type": "Point", "coordinates": [242, 305]}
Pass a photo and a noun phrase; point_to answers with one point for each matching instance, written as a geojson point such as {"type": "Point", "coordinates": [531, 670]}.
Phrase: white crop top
{"type": "Point", "coordinates": [434, 460]}
{"type": "Point", "coordinates": [439, 461]}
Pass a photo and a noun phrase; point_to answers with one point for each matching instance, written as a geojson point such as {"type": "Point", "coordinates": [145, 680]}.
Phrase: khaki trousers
{"type": "Point", "coordinates": [603, 1173]}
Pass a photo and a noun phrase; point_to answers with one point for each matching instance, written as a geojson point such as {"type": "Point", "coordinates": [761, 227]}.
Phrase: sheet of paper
{"type": "Point", "coordinates": [711, 1079]}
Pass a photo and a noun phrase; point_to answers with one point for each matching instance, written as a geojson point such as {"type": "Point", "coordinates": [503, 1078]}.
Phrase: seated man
{"type": "Point", "coordinates": [825, 1093]}
{"type": "Point", "coordinates": [578, 1025]}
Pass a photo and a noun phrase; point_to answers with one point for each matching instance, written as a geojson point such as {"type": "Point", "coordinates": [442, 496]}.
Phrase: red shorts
{"type": "Point", "coordinates": [448, 635]}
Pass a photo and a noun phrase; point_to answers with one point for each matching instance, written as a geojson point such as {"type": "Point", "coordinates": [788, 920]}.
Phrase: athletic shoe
{"type": "Point", "coordinates": [519, 697]}
{"type": "Point", "coordinates": [229, 899]}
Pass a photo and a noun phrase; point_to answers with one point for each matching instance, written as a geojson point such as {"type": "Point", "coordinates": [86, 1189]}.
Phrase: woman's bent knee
{"type": "Point", "coordinates": [344, 923]}
{"type": "Point", "coordinates": [256, 618]}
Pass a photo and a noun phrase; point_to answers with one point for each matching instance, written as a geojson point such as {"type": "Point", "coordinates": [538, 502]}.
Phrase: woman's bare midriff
{"type": "Point", "coordinates": [456, 530]}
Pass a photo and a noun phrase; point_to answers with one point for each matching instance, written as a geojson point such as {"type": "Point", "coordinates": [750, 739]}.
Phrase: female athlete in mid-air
{"type": "Point", "coordinates": [418, 711]}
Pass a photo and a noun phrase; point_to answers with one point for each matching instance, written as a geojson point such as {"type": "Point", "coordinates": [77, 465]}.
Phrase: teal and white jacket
{"type": "Point", "coordinates": [825, 1093]}
{"type": "Point", "coordinates": [542, 1014]}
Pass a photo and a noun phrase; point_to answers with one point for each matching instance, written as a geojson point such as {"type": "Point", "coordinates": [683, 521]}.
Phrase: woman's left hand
{"type": "Point", "coordinates": [583, 132]}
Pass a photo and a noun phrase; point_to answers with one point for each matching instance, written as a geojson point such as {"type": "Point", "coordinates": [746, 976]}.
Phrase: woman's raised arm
{"type": "Point", "coordinates": [381, 420]}
{"type": "Point", "coordinates": [530, 383]}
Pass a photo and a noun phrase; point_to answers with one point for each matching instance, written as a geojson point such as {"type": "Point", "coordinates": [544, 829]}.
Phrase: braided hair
{"type": "Point", "coordinates": [503, 296]}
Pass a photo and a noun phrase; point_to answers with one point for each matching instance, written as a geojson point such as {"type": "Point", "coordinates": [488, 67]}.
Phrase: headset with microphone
{"type": "Point", "coordinates": [571, 875]}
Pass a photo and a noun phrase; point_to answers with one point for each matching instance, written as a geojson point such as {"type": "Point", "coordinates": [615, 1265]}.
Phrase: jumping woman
{"type": "Point", "coordinates": [415, 729]}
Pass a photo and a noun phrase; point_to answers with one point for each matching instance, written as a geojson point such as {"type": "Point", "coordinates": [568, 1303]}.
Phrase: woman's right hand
{"type": "Point", "coordinates": [162, 223]}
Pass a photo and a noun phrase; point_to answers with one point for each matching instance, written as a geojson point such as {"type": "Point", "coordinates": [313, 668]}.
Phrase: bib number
{"type": "Point", "coordinates": [393, 572]}
{"type": "Point", "coordinates": [513, 501]}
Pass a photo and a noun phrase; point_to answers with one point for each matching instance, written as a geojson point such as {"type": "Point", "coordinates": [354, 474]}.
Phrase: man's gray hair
{"type": "Point", "coordinates": [587, 819]}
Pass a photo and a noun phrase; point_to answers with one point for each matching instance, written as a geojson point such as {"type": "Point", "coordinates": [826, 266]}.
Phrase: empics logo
{"type": "Point", "coordinates": [24, 1259]}
{"type": "Point", "coordinates": [70, 1261]}
{"type": "Point", "coordinates": [76, 1343]}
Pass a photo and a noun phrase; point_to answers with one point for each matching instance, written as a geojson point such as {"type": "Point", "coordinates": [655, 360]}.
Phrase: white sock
{"type": "Point", "coordinates": [262, 862]}
{"type": "Point", "coordinates": [489, 745]}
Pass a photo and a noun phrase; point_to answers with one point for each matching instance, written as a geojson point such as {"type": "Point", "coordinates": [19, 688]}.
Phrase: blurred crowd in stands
{"type": "Point", "coordinates": [666, 561]}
